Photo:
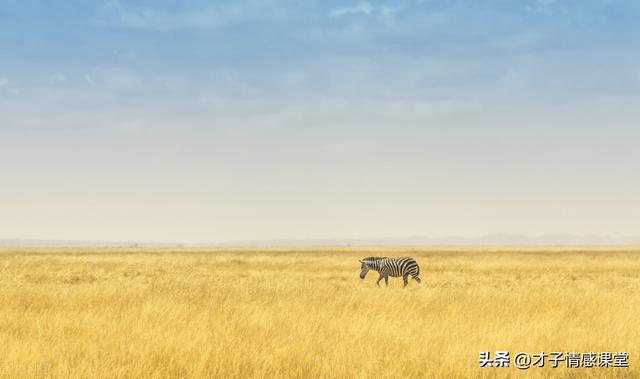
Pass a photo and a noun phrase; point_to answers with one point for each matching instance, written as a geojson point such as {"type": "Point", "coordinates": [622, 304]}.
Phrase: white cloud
{"type": "Point", "coordinates": [364, 8]}
{"type": "Point", "coordinates": [389, 11]}
{"type": "Point", "coordinates": [57, 78]}
{"type": "Point", "coordinates": [113, 78]}
{"type": "Point", "coordinates": [155, 19]}
{"type": "Point", "coordinates": [206, 17]}
{"type": "Point", "coordinates": [541, 6]}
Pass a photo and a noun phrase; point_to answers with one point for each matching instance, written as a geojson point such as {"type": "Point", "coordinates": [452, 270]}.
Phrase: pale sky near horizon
{"type": "Point", "coordinates": [205, 121]}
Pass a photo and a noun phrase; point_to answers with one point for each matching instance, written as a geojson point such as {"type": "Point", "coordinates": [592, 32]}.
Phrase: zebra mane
{"type": "Point", "coordinates": [372, 259]}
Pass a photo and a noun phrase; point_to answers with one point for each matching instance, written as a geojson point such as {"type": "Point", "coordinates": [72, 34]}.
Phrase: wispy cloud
{"type": "Point", "coordinates": [151, 18]}
{"type": "Point", "coordinates": [364, 8]}
{"type": "Point", "coordinates": [115, 78]}
{"type": "Point", "coordinates": [4, 81]}
{"type": "Point", "coordinates": [541, 6]}
{"type": "Point", "coordinates": [189, 16]}
{"type": "Point", "coordinates": [57, 78]}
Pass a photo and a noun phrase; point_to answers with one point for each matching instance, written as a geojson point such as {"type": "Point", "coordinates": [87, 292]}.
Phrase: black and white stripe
{"type": "Point", "coordinates": [394, 267]}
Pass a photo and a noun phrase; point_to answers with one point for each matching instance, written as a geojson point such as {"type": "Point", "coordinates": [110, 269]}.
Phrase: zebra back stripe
{"type": "Point", "coordinates": [394, 267]}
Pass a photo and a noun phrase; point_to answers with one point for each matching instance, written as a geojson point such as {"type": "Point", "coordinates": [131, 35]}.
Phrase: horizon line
{"type": "Point", "coordinates": [558, 239]}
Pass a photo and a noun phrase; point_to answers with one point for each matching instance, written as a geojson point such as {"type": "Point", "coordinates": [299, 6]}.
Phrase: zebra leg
{"type": "Point", "coordinates": [405, 279]}
{"type": "Point", "coordinates": [417, 279]}
{"type": "Point", "coordinates": [379, 279]}
{"type": "Point", "coordinates": [386, 280]}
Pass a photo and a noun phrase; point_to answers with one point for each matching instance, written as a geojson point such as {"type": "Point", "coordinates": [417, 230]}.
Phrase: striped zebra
{"type": "Point", "coordinates": [395, 267]}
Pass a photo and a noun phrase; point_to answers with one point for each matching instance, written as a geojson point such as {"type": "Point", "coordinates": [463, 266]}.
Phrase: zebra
{"type": "Point", "coordinates": [394, 267]}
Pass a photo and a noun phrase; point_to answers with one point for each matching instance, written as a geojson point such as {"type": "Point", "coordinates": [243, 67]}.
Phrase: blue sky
{"type": "Point", "coordinates": [204, 121]}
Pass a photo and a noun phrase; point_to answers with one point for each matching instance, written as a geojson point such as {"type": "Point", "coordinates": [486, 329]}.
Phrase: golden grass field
{"type": "Point", "coordinates": [304, 313]}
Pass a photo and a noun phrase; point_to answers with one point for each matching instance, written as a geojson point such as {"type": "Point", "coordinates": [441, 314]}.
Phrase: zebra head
{"type": "Point", "coordinates": [365, 267]}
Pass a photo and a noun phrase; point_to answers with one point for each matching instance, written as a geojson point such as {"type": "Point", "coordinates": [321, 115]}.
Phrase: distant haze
{"type": "Point", "coordinates": [489, 240]}
{"type": "Point", "coordinates": [225, 122]}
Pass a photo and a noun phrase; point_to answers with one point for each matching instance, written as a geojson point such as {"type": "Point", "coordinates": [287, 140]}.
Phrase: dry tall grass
{"type": "Point", "coordinates": [305, 313]}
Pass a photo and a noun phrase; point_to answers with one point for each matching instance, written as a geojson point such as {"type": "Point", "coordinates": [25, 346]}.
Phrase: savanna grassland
{"type": "Point", "coordinates": [304, 313]}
